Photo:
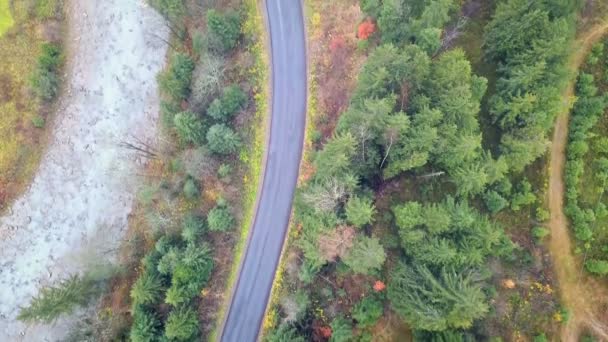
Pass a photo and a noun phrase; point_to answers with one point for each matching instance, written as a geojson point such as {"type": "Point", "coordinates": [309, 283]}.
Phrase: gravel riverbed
{"type": "Point", "coordinates": [76, 208]}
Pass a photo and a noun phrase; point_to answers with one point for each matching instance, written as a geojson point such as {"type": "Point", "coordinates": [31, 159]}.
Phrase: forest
{"type": "Point", "coordinates": [454, 149]}
{"type": "Point", "coordinates": [424, 200]}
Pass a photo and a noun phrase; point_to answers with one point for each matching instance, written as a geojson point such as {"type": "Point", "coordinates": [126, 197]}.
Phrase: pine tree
{"type": "Point", "coordinates": [360, 211]}
{"type": "Point", "coordinates": [449, 300]}
{"type": "Point", "coordinates": [146, 290]}
{"type": "Point", "coordinates": [182, 324]}
{"type": "Point", "coordinates": [366, 256]}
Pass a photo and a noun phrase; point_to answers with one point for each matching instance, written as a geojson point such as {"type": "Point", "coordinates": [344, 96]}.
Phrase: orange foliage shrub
{"type": "Point", "coordinates": [366, 29]}
{"type": "Point", "coordinates": [379, 286]}
{"type": "Point", "coordinates": [325, 332]}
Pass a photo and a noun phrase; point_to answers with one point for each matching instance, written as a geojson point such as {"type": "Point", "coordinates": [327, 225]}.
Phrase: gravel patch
{"type": "Point", "coordinates": [77, 206]}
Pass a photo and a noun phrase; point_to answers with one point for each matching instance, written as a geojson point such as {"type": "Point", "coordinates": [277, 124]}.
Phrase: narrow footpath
{"type": "Point", "coordinates": [75, 211]}
{"type": "Point", "coordinates": [581, 295]}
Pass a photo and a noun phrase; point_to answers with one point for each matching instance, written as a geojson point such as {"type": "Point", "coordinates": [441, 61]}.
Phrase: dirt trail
{"type": "Point", "coordinates": [77, 206]}
{"type": "Point", "coordinates": [580, 294]}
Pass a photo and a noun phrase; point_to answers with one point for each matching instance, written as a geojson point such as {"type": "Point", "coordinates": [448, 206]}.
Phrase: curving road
{"type": "Point", "coordinates": [284, 150]}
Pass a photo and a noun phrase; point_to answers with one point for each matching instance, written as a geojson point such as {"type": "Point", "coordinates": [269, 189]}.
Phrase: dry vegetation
{"type": "Point", "coordinates": [35, 21]}
{"type": "Point", "coordinates": [335, 59]}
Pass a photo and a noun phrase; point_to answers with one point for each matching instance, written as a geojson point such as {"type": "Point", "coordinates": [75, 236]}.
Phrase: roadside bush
{"type": "Point", "coordinates": [44, 80]}
{"type": "Point", "coordinates": [224, 108]}
{"type": "Point", "coordinates": [150, 261]}
{"type": "Point", "coordinates": [220, 218]}
{"type": "Point", "coordinates": [182, 324]}
{"type": "Point", "coordinates": [175, 81]}
{"type": "Point", "coordinates": [224, 29]}
{"type": "Point", "coordinates": [222, 140]}
{"type": "Point", "coordinates": [368, 311]}
{"type": "Point", "coordinates": [198, 43]}
{"type": "Point", "coordinates": [189, 128]}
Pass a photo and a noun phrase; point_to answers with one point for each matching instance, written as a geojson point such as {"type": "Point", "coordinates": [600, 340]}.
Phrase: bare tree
{"type": "Point", "coordinates": [337, 243]}
{"type": "Point", "coordinates": [140, 147]}
{"type": "Point", "coordinates": [325, 196]}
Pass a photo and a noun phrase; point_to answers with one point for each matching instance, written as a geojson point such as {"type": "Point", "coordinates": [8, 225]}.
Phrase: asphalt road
{"type": "Point", "coordinates": [250, 297]}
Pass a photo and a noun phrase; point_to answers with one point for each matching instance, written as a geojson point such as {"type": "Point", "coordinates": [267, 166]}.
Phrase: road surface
{"type": "Point", "coordinates": [289, 89]}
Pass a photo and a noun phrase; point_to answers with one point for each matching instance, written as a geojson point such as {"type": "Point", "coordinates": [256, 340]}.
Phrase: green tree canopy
{"type": "Point", "coordinates": [224, 28]}
{"type": "Point", "coordinates": [366, 256]}
{"type": "Point", "coordinates": [447, 234]}
{"type": "Point", "coordinates": [448, 300]}
{"type": "Point", "coordinates": [222, 140]}
{"type": "Point", "coordinates": [360, 211]}
{"type": "Point", "coordinates": [225, 107]}
{"type": "Point", "coordinates": [175, 81]}
{"type": "Point", "coordinates": [182, 324]}
{"type": "Point", "coordinates": [189, 128]}
{"type": "Point", "coordinates": [220, 218]}
{"type": "Point", "coordinates": [147, 289]}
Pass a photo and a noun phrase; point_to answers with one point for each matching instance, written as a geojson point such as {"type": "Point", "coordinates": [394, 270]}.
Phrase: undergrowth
{"type": "Point", "coordinates": [251, 156]}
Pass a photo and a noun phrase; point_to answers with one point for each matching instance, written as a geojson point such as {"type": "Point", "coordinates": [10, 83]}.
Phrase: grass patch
{"type": "Point", "coordinates": [20, 110]}
{"type": "Point", "coordinates": [46, 9]}
{"type": "Point", "coordinates": [6, 17]}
